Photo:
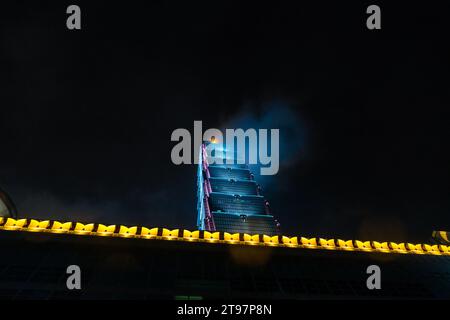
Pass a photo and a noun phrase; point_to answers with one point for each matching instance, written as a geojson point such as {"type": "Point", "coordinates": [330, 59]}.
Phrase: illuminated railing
{"type": "Point", "coordinates": [93, 229]}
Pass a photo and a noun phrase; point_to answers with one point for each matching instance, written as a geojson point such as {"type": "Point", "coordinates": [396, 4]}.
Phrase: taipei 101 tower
{"type": "Point", "coordinates": [229, 199]}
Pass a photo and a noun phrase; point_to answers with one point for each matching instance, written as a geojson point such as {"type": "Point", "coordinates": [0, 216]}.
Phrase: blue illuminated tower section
{"type": "Point", "coordinates": [230, 200]}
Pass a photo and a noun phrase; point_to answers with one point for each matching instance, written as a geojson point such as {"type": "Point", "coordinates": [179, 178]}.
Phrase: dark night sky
{"type": "Point", "coordinates": [86, 116]}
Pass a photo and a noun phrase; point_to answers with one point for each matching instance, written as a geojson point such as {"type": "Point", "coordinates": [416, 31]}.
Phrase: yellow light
{"type": "Point", "coordinates": [327, 244]}
{"type": "Point", "coordinates": [231, 237]}
{"type": "Point", "coordinates": [127, 232]}
{"type": "Point", "coordinates": [290, 241]}
{"type": "Point", "coordinates": [149, 233]}
{"type": "Point", "coordinates": [194, 235]}
{"type": "Point", "coordinates": [251, 238]}
{"type": "Point", "coordinates": [444, 249]}
{"type": "Point", "coordinates": [363, 245]}
{"type": "Point", "coordinates": [444, 235]}
{"type": "Point", "coordinates": [170, 233]}
{"type": "Point", "coordinates": [83, 228]}
{"type": "Point", "coordinates": [103, 230]}
{"type": "Point", "coordinates": [270, 240]}
{"type": "Point", "coordinates": [398, 247]}
{"type": "Point", "coordinates": [13, 224]}
{"type": "Point", "coordinates": [309, 242]}
{"type": "Point", "coordinates": [384, 246]}
{"type": "Point", "coordinates": [59, 227]}
{"type": "Point", "coordinates": [416, 248]}
{"type": "Point", "coordinates": [36, 226]}
{"type": "Point", "coordinates": [346, 245]}
{"type": "Point", "coordinates": [434, 249]}
{"type": "Point", "coordinates": [211, 236]}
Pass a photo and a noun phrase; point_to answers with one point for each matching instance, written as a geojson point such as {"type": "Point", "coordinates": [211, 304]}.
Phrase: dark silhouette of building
{"type": "Point", "coordinates": [118, 262]}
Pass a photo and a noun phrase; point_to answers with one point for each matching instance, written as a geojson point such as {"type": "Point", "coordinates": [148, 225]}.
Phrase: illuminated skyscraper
{"type": "Point", "coordinates": [229, 199]}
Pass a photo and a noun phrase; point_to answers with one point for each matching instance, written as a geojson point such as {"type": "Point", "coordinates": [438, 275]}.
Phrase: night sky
{"type": "Point", "coordinates": [86, 116]}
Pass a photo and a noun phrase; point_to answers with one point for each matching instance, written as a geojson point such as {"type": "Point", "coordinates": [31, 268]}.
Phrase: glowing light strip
{"type": "Point", "coordinates": [91, 229]}
{"type": "Point", "coordinates": [205, 191]}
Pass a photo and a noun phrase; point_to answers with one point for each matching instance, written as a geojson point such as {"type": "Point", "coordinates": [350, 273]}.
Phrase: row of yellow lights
{"type": "Point", "coordinates": [214, 237]}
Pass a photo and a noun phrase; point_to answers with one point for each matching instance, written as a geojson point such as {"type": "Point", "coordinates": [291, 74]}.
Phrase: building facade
{"type": "Point", "coordinates": [229, 199]}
